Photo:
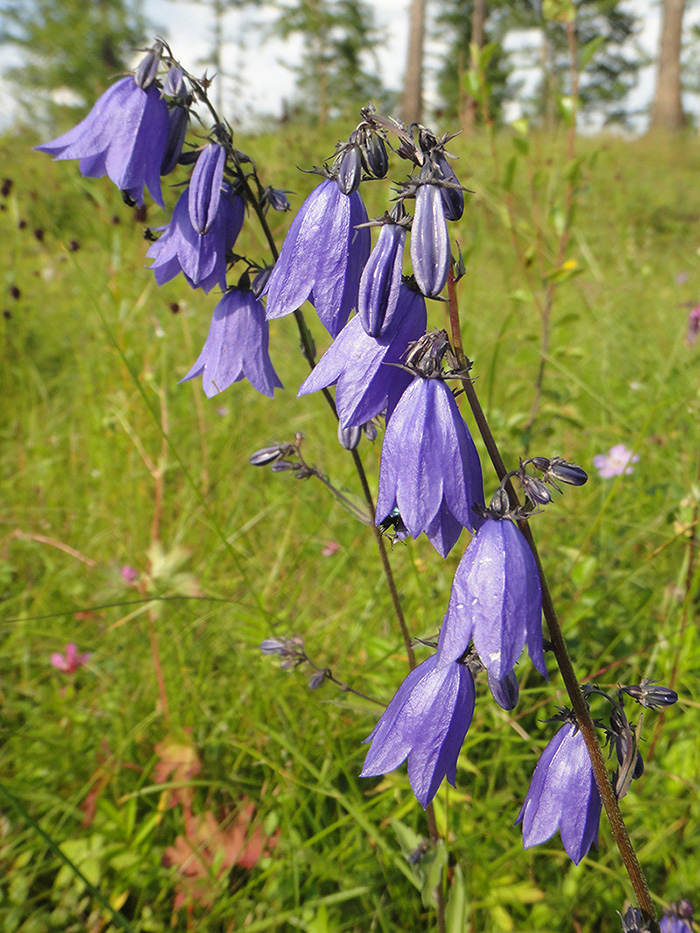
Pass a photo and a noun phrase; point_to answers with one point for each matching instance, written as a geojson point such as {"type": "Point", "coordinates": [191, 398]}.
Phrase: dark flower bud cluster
{"type": "Point", "coordinates": [622, 737]}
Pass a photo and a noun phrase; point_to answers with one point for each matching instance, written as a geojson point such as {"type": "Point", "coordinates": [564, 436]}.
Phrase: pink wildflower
{"type": "Point", "coordinates": [616, 462]}
{"type": "Point", "coordinates": [71, 661]}
{"type": "Point", "coordinates": [129, 574]}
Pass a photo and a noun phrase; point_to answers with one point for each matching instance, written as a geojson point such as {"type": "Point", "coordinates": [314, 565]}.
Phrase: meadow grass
{"type": "Point", "coordinates": [107, 462]}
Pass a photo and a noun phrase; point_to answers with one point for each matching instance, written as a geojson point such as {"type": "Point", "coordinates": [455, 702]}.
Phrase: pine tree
{"type": "Point", "coordinates": [338, 71]}
{"type": "Point", "coordinates": [69, 46]}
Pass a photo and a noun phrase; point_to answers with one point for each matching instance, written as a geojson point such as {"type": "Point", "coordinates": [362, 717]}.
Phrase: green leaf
{"type": "Point", "coordinates": [589, 50]}
{"type": "Point", "coordinates": [431, 868]}
{"type": "Point", "coordinates": [456, 915]}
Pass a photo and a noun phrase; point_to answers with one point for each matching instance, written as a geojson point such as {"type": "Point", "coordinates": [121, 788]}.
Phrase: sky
{"type": "Point", "coordinates": [262, 82]}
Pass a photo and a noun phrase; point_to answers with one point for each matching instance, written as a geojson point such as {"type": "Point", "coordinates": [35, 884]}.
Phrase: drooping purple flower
{"type": "Point", "coordinates": [563, 796]}
{"type": "Point", "coordinates": [204, 192]}
{"type": "Point", "coordinates": [322, 257]}
{"type": "Point", "coordinates": [430, 469]}
{"type": "Point", "coordinates": [425, 722]}
{"type": "Point", "coordinates": [496, 601]}
{"type": "Point", "coordinates": [201, 257]}
{"type": "Point", "coordinates": [381, 280]}
{"type": "Point", "coordinates": [430, 242]}
{"type": "Point", "coordinates": [124, 136]}
{"type": "Point", "coordinates": [368, 380]}
{"type": "Point", "coordinates": [678, 918]}
{"type": "Point", "coordinates": [236, 347]}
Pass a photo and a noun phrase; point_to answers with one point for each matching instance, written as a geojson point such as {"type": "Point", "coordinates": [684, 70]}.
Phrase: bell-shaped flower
{"type": "Point", "coordinates": [430, 469]}
{"type": "Point", "coordinates": [426, 722]}
{"type": "Point", "coordinates": [430, 242]}
{"type": "Point", "coordinates": [496, 601]}
{"type": "Point", "coordinates": [563, 796]}
{"type": "Point", "coordinates": [322, 257]}
{"type": "Point", "coordinates": [204, 193]}
{"type": "Point", "coordinates": [236, 347]}
{"type": "Point", "coordinates": [201, 257]}
{"type": "Point", "coordinates": [678, 918]}
{"type": "Point", "coordinates": [369, 381]}
{"type": "Point", "coordinates": [124, 136]}
{"type": "Point", "coordinates": [381, 280]}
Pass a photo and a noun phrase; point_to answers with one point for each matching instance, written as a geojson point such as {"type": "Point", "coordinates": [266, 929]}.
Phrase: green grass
{"type": "Point", "coordinates": [92, 354]}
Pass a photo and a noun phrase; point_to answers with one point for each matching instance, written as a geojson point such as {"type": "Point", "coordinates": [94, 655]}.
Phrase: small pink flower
{"type": "Point", "coordinates": [71, 661]}
{"type": "Point", "coordinates": [616, 462]}
{"type": "Point", "coordinates": [330, 548]}
{"type": "Point", "coordinates": [129, 574]}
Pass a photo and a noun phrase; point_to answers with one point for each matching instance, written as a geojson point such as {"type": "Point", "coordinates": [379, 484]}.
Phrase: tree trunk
{"type": "Point", "coordinates": [412, 95]}
{"type": "Point", "coordinates": [469, 104]}
{"type": "Point", "coordinates": [667, 108]}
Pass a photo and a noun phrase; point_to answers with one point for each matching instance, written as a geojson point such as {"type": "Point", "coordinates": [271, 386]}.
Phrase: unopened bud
{"type": "Point", "coordinates": [350, 171]}
{"type": "Point", "coordinates": [174, 84]}
{"type": "Point", "coordinates": [147, 70]}
{"type": "Point", "coordinates": [651, 695]}
{"type": "Point", "coordinates": [349, 438]}
{"type": "Point", "coordinates": [535, 489]}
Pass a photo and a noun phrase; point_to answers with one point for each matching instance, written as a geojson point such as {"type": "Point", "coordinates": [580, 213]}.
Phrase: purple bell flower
{"type": "Point", "coordinates": [201, 257]}
{"type": "Point", "coordinates": [426, 722]}
{"type": "Point", "coordinates": [236, 347]}
{"type": "Point", "coordinates": [205, 187]}
{"type": "Point", "coordinates": [563, 795]}
{"type": "Point", "coordinates": [430, 242]}
{"type": "Point", "coordinates": [430, 469]}
{"type": "Point", "coordinates": [678, 918]}
{"type": "Point", "coordinates": [322, 257]}
{"type": "Point", "coordinates": [124, 136]}
{"type": "Point", "coordinates": [381, 280]}
{"type": "Point", "coordinates": [362, 367]}
{"type": "Point", "coordinates": [496, 600]}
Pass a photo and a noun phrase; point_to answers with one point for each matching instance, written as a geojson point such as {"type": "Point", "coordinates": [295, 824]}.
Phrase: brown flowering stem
{"type": "Point", "coordinates": [561, 653]}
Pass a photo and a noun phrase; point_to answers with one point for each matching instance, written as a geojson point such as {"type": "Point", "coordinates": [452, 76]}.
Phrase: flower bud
{"type": "Point", "coordinates": [452, 198]}
{"type": "Point", "coordinates": [381, 280]}
{"type": "Point", "coordinates": [276, 198]}
{"type": "Point", "coordinates": [499, 504]}
{"type": "Point", "coordinates": [374, 152]}
{"type": "Point", "coordinates": [350, 171]}
{"type": "Point", "coordinates": [318, 678]}
{"type": "Point", "coordinates": [147, 70]}
{"type": "Point", "coordinates": [174, 84]}
{"type": "Point", "coordinates": [535, 489]}
{"type": "Point", "coordinates": [567, 472]}
{"type": "Point", "coordinates": [349, 438]}
{"type": "Point", "coordinates": [650, 695]}
{"type": "Point", "coordinates": [268, 454]}
{"type": "Point", "coordinates": [178, 118]}
{"type": "Point", "coordinates": [430, 243]}
{"type": "Point", "coordinates": [205, 187]}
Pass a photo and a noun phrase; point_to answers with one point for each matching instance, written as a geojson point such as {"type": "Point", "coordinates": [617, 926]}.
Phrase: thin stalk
{"type": "Point", "coordinates": [561, 653]}
{"type": "Point", "coordinates": [550, 291]}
